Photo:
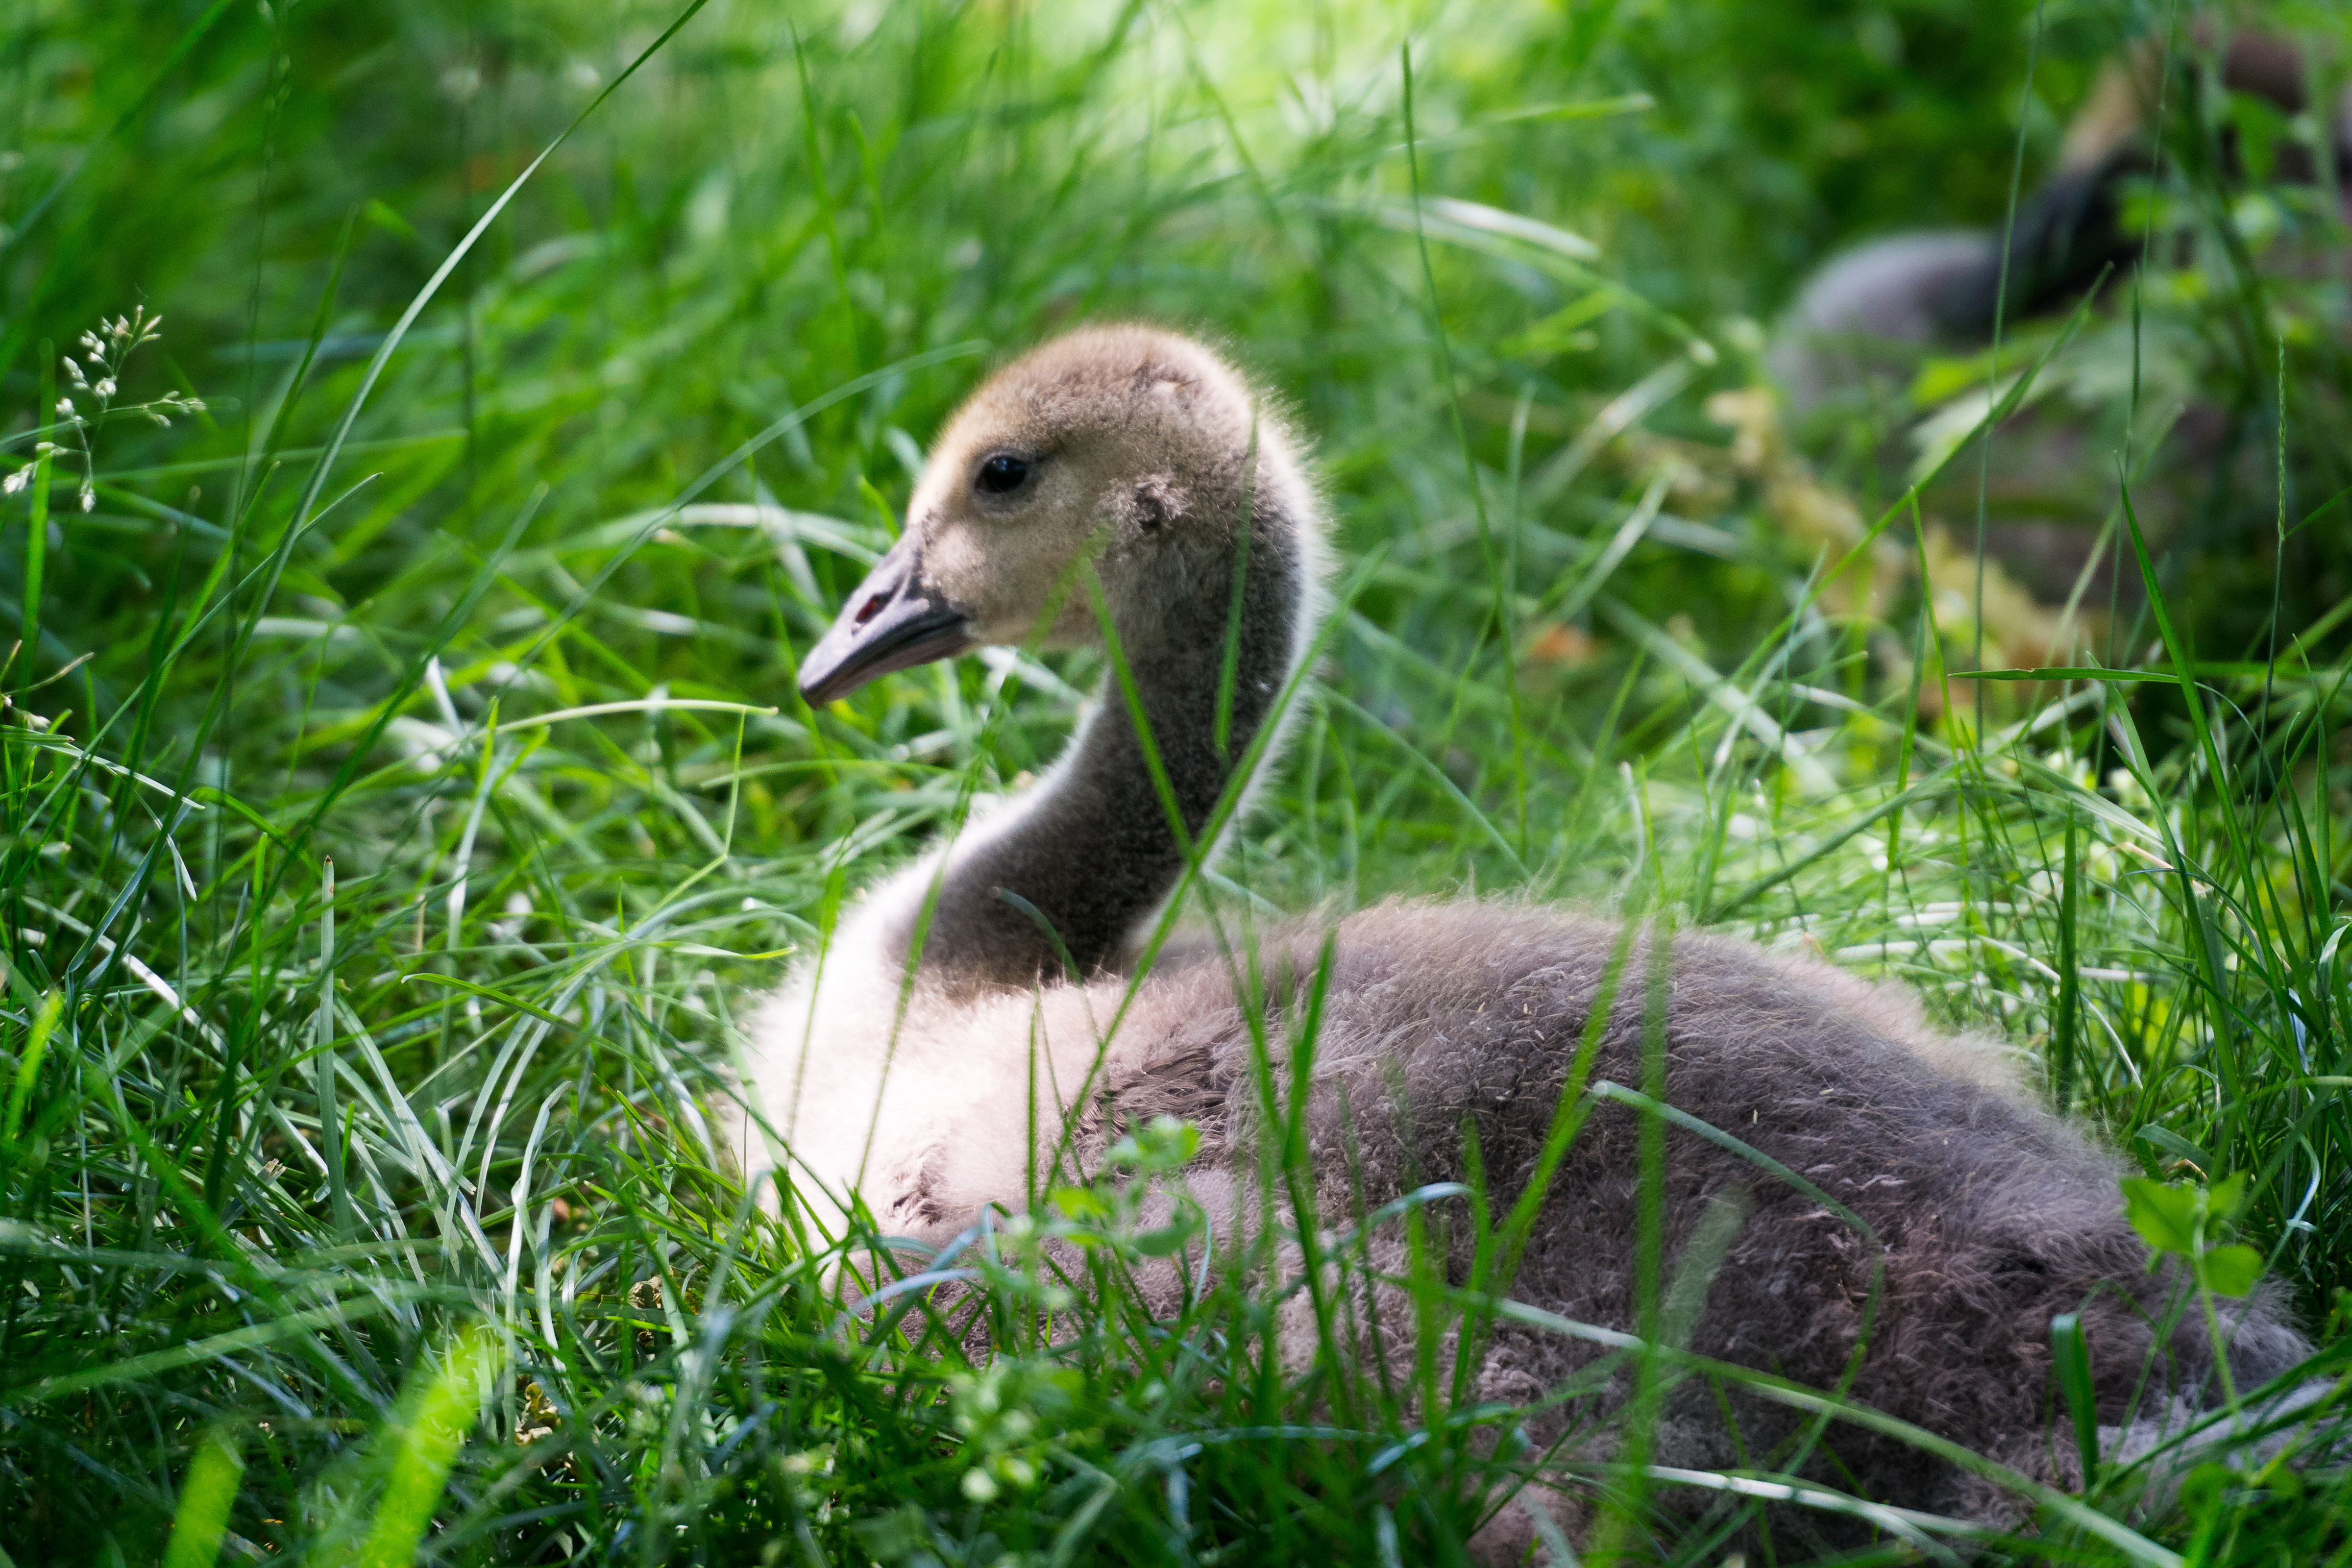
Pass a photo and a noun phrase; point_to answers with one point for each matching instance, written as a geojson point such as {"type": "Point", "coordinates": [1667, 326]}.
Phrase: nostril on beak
{"type": "Point", "coordinates": [870, 609]}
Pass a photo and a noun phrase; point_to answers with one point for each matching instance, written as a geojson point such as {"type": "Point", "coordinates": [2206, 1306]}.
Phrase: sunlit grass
{"type": "Point", "coordinates": [405, 793]}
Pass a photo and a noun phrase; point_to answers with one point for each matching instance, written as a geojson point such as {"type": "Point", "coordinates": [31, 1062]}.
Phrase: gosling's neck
{"type": "Point", "coordinates": [1090, 848]}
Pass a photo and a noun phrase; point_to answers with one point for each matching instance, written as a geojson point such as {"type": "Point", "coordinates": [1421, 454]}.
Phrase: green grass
{"type": "Point", "coordinates": [404, 791]}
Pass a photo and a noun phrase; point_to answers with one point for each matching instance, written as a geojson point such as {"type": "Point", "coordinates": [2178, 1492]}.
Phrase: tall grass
{"type": "Point", "coordinates": [405, 792]}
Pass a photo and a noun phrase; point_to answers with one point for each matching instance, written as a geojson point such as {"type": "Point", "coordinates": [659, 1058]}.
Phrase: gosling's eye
{"type": "Point", "coordinates": [1001, 475]}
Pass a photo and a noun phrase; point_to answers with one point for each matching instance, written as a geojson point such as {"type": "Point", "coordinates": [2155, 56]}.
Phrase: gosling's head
{"type": "Point", "coordinates": [1124, 447]}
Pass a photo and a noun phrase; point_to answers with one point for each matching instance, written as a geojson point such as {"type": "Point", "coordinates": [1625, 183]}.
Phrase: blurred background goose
{"type": "Point", "coordinates": [1865, 323]}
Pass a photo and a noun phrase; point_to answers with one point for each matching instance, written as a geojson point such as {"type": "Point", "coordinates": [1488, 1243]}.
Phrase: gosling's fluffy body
{"type": "Point", "coordinates": [940, 1098]}
{"type": "Point", "coordinates": [1993, 1215]}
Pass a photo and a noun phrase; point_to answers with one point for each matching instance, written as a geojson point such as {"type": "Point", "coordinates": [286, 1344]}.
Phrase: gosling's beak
{"type": "Point", "coordinates": [894, 621]}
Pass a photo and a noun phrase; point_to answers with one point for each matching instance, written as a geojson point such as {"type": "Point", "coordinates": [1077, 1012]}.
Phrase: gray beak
{"type": "Point", "coordinates": [893, 622]}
